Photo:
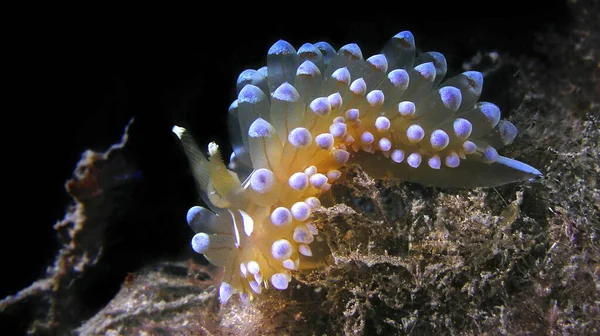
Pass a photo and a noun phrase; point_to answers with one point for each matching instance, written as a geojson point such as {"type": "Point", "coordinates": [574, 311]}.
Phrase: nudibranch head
{"type": "Point", "coordinates": [311, 111]}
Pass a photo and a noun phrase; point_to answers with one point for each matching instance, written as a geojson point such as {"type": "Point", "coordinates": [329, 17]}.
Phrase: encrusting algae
{"type": "Point", "coordinates": [300, 119]}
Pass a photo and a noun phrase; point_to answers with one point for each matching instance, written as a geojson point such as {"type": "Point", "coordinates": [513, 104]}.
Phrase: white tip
{"type": "Point", "coordinates": [367, 138]}
{"type": "Point", "coordinates": [255, 286]}
{"type": "Point", "coordinates": [439, 140]}
{"type": "Point", "coordinates": [435, 162]}
{"type": "Point", "coordinates": [305, 250]}
{"type": "Point", "coordinates": [313, 202]}
{"type": "Point", "coordinates": [397, 155]}
{"type": "Point", "coordinates": [253, 267]}
{"type": "Point", "coordinates": [300, 137]}
{"type": "Point", "coordinates": [281, 217]}
{"type": "Point", "coordinates": [375, 98]}
{"type": "Point", "coordinates": [310, 171]}
{"type": "Point", "coordinates": [248, 223]}
{"type": "Point", "coordinates": [359, 87]}
{"type": "Point", "coordinates": [324, 141]}
{"type": "Point", "coordinates": [341, 156]}
{"type": "Point", "coordinates": [302, 235]}
{"type": "Point", "coordinates": [281, 249]}
{"type": "Point", "coordinates": [178, 131]}
{"type": "Point", "coordinates": [469, 147]}
{"type": "Point", "coordinates": [318, 180]}
{"type": "Point", "coordinates": [213, 148]}
{"type": "Point", "coordinates": [308, 68]}
{"type": "Point", "coordinates": [414, 160]}
{"type": "Point", "coordinates": [260, 128]}
{"type": "Point", "coordinates": [225, 292]}
{"type": "Point", "coordinates": [300, 210]}
{"type": "Point", "coordinates": [312, 228]}
{"type": "Point", "coordinates": [452, 160]}
{"type": "Point", "coordinates": [262, 180]}
{"type": "Point", "coordinates": [490, 155]}
{"type": "Point", "coordinates": [298, 181]}
{"type": "Point", "coordinates": [342, 75]}
{"type": "Point", "coordinates": [406, 108]}
{"type": "Point", "coordinates": [385, 144]}
{"type": "Point", "coordinates": [415, 133]}
{"type": "Point", "coordinates": [320, 106]}
{"type": "Point", "coordinates": [338, 129]}
{"type": "Point", "coordinates": [289, 264]}
{"type": "Point", "coordinates": [333, 175]}
{"type": "Point", "coordinates": [335, 100]}
{"type": "Point", "coordinates": [258, 277]}
{"type": "Point", "coordinates": [382, 124]}
{"type": "Point", "coordinates": [200, 242]}
{"type": "Point", "coordinates": [352, 114]}
{"type": "Point", "coordinates": [287, 93]}
{"type": "Point", "coordinates": [279, 281]}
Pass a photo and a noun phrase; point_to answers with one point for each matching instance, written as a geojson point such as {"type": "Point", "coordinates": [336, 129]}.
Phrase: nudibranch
{"type": "Point", "coordinates": [308, 113]}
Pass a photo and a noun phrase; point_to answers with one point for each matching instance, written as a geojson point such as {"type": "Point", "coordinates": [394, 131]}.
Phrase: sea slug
{"type": "Point", "coordinates": [300, 119]}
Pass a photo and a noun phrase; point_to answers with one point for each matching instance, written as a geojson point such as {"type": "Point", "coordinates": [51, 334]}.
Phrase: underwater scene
{"type": "Point", "coordinates": [396, 176]}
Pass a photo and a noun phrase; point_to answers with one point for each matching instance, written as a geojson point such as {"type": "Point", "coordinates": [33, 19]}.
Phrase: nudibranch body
{"type": "Point", "coordinates": [309, 112]}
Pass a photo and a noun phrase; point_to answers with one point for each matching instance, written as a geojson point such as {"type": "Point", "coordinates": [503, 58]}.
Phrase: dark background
{"type": "Point", "coordinates": [75, 83]}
